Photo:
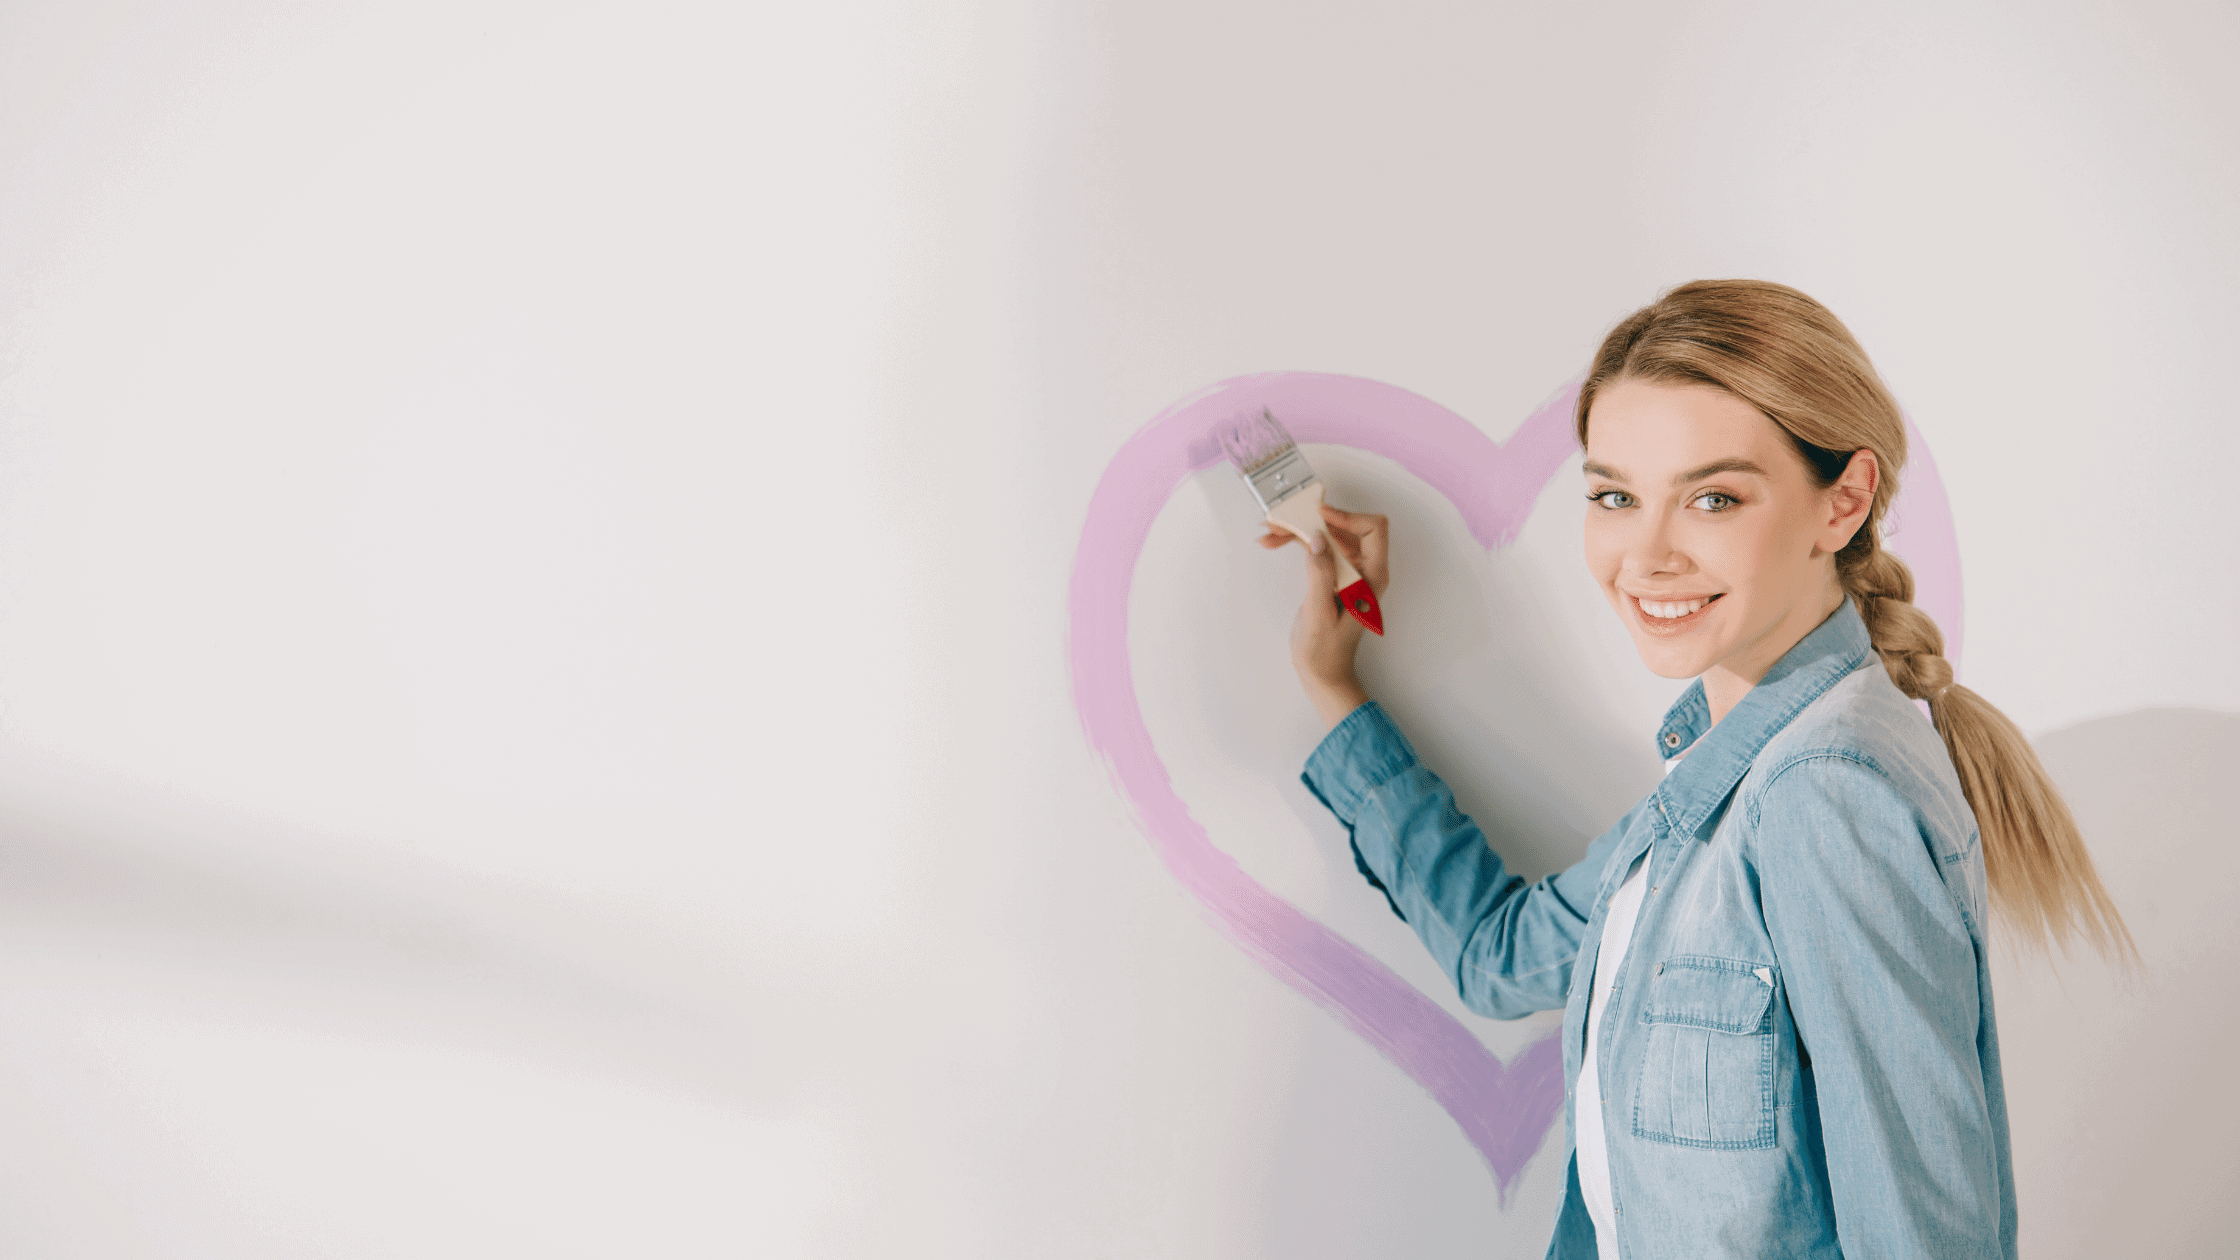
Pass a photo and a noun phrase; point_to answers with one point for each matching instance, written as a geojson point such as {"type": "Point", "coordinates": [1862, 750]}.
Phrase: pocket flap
{"type": "Point", "coordinates": [1726, 994]}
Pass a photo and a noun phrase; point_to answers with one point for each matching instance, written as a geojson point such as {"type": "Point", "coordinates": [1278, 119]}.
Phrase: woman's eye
{"type": "Point", "coordinates": [1714, 501]}
{"type": "Point", "coordinates": [1612, 499]}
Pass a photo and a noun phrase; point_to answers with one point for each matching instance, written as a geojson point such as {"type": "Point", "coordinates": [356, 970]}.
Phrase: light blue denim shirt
{"type": "Point", "coordinates": [1798, 1058]}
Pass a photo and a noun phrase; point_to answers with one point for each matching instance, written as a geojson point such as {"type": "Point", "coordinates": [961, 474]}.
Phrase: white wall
{"type": "Point", "coordinates": [534, 545]}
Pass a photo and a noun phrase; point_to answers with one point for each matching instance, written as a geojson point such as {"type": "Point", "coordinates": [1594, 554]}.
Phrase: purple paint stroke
{"type": "Point", "coordinates": [1920, 532]}
{"type": "Point", "coordinates": [1505, 1110]}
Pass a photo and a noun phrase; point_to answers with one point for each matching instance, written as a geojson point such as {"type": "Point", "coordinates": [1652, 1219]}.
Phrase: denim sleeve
{"type": "Point", "coordinates": [1507, 945]}
{"type": "Point", "coordinates": [1883, 983]}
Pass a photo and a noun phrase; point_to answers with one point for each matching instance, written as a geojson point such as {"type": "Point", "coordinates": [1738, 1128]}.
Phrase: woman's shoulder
{"type": "Point", "coordinates": [1866, 733]}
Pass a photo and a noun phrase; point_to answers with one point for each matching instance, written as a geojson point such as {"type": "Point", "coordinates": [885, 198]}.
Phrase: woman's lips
{"type": "Point", "coordinates": [1691, 613]}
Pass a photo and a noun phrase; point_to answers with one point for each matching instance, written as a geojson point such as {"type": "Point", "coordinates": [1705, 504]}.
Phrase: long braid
{"type": "Point", "coordinates": [1910, 643]}
{"type": "Point", "coordinates": [2041, 875]}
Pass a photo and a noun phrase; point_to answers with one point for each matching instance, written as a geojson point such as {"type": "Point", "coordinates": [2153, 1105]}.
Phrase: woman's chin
{"type": "Point", "coordinates": [1670, 660]}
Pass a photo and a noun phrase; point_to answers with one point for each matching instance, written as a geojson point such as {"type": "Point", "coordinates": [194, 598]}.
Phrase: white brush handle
{"type": "Point", "coordinates": [1302, 515]}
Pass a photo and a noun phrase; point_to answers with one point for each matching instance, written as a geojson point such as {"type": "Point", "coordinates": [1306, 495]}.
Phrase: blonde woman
{"type": "Point", "coordinates": [1778, 1032]}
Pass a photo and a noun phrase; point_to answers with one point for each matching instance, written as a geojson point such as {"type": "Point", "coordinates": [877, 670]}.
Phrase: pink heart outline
{"type": "Point", "coordinates": [1505, 1110]}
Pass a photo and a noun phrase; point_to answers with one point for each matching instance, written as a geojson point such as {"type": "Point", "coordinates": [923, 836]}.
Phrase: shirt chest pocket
{"type": "Point", "coordinates": [1706, 1076]}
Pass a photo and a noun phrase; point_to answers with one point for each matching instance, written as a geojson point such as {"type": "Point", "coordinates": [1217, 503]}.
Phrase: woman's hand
{"type": "Point", "coordinates": [1323, 637]}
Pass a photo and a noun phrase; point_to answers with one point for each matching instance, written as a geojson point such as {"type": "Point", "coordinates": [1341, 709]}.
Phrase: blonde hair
{"type": "Point", "coordinates": [1792, 359]}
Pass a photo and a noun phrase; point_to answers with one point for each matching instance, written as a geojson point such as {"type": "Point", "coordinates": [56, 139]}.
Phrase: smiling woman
{"type": "Point", "coordinates": [1738, 370]}
{"type": "Point", "coordinates": [1773, 968]}
{"type": "Point", "coordinates": [1712, 542]}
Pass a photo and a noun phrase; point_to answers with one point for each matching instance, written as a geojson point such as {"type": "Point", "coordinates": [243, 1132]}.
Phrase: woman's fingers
{"type": "Point", "coordinates": [1323, 638]}
{"type": "Point", "coordinates": [1363, 537]}
{"type": "Point", "coordinates": [1319, 608]}
{"type": "Point", "coordinates": [1356, 522]}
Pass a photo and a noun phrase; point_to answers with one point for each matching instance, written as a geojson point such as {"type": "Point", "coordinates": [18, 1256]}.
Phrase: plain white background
{"type": "Point", "coordinates": [533, 546]}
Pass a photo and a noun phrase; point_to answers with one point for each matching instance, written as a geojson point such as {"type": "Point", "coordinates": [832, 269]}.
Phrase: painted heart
{"type": "Point", "coordinates": [1504, 1109]}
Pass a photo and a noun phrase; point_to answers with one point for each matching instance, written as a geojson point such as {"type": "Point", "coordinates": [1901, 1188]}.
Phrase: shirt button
{"type": "Point", "coordinates": [1672, 739]}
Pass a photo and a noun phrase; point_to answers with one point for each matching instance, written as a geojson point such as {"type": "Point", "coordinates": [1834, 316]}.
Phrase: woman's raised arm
{"type": "Point", "coordinates": [1507, 944]}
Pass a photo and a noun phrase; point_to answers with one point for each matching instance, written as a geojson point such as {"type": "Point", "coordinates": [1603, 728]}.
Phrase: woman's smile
{"type": "Point", "coordinates": [1673, 616]}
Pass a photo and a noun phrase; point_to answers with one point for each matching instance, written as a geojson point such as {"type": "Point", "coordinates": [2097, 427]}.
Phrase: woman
{"type": "Point", "coordinates": [1778, 1034]}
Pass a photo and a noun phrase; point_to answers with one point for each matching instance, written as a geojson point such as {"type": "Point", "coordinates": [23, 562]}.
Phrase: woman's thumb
{"type": "Point", "coordinates": [1323, 558]}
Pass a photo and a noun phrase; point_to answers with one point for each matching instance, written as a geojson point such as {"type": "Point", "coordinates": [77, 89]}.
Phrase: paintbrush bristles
{"type": "Point", "coordinates": [1254, 442]}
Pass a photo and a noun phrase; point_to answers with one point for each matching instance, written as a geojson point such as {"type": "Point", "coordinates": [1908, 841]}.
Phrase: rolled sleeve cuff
{"type": "Point", "coordinates": [1362, 751]}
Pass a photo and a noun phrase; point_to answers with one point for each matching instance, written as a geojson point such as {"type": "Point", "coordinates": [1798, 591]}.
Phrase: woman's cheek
{"type": "Point", "coordinates": [1603, 551]}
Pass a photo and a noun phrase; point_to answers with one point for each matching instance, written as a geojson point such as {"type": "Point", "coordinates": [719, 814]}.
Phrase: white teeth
{"type": "Point", "coordinates": [1677, 608]}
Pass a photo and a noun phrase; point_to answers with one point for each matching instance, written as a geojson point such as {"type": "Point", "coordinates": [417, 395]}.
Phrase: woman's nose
{"type": "Point", "coordinates": [1652, 552]}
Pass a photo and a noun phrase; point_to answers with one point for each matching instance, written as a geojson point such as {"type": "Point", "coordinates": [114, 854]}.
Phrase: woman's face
{"type": "Point", "coordinates": [1706, 531]}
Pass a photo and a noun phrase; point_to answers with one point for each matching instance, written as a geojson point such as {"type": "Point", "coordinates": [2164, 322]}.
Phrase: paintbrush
{"type": "Point", "coordinates": [1291, 496]}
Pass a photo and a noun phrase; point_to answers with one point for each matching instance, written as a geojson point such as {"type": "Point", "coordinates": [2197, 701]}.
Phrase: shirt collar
{"type": "Point", "coordinates": [1719, 756]}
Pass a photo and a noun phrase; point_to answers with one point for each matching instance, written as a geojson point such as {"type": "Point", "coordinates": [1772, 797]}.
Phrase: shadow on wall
{"type": "Point", "coordinates": [141, 901]}
{"type": "Point", "coordinates": [211, 1034]}
{"type": "Point", "coordinates": [2122, 1101]}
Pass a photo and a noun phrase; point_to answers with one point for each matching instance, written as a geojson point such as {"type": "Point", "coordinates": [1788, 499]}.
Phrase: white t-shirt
{"type": "Point", "coordinates": [1586, 1109]}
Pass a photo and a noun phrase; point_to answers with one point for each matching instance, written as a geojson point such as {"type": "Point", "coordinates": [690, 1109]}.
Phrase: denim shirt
{"type": "Point", "coordinates": [1798, 1056]}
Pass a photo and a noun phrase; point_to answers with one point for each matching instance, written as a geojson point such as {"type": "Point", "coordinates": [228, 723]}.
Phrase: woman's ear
{"type": "Point", "coordinates": [1850, 498]}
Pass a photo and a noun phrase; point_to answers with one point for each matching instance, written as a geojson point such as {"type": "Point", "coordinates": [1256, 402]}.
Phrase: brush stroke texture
{"type": "Point", "coordinates": [1504, 1110]}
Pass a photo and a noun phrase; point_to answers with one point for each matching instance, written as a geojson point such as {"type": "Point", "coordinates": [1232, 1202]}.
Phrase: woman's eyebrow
{"type": "Point", "coordinates": [1718, 466]}
{"type": "Point", "coordinates": [1605, 471]}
